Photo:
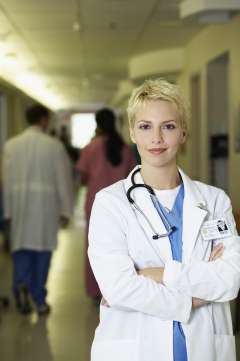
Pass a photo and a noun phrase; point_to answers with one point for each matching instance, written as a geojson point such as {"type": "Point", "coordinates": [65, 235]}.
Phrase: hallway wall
{"type": "Point", "coordinates": [209, 44]}
{"type": "Point", "coordinates": [16, 103]}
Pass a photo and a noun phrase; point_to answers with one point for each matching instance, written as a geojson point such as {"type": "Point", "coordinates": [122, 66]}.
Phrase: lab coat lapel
{"type": "Point", "coordinates": [194, 213]}
{"type": "Point", "coordinates": [143, 200]}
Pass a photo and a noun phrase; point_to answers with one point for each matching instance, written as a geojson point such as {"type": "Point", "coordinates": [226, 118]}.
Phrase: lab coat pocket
{"type": "Point", "coordinates": [117, 350]}
{"type": "Point", "coordinates": [225, 348]}
{"type": "Point", "coordinates": [117, 324]}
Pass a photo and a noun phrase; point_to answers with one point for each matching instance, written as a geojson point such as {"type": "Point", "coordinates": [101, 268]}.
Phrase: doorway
{"type": "Point", "coordinates": [196, 127]}
{"type": "Point", "coordinates": [218, 120]}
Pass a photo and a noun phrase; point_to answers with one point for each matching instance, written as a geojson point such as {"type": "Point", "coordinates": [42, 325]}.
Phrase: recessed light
{"type": "Point", "coordinates": [77, 26]}
{"type": "Point", "coordinates": [11, 55]}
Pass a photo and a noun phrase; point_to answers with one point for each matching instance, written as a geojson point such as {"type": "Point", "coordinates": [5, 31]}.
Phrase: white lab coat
{"type": "Point", "coordinates": [37, 189]}
{"type": "Point", "coordinates": [138, 324]}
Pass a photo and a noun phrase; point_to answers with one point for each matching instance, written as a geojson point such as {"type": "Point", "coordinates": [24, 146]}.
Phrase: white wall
{"type": "Point", "coordinates": [209, 44]}
{"type": "Point", "coordinates": [16, 103]}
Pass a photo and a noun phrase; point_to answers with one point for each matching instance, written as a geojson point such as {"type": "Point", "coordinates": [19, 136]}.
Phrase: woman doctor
{"type": "Point", "coordinates": [165, 270]}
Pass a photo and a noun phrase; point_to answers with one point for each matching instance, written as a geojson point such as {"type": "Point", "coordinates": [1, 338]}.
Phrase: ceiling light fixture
{"type": "Point", "coordinates": [14, 62]}
{"type": "Point", "coordinates": [209, 11]}
{"type": "Point", "coordinates": [85, 82]}
{"type": "Point", "coordinates": [77, 26]}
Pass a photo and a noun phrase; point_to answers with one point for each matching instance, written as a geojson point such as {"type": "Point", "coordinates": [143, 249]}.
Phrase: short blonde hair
{"type": "Point", "coordinates": [158, 89]}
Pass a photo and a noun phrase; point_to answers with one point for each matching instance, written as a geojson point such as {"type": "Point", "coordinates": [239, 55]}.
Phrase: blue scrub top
{"type": "Point", "coordinates": [175, 218]}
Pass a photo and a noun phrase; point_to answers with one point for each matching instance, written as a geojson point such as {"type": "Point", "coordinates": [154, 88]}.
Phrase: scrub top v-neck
{"type": "Point", "coordinates": [174, 217]}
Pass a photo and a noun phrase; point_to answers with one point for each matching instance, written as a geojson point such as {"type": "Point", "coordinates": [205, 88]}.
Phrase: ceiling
{"type": "Point", "coordinates": [83, 68]}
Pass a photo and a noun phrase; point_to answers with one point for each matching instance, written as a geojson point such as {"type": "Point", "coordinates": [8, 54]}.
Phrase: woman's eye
{"type": "Point", "coordinates": [144, 126]}
{"type": "Point", "coordinates": [170, 126]}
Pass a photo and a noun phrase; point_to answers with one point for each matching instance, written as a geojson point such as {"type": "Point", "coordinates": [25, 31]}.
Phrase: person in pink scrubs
{"type": "Point", "coordinates": [105, 160]}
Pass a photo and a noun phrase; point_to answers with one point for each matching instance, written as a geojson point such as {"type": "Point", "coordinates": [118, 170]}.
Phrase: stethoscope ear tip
{"type": "Point", "coordinates": [155, 236]}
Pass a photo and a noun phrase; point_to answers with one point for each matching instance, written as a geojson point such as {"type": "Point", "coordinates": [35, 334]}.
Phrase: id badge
{"type": "Point", "coordinates": [218, 228]}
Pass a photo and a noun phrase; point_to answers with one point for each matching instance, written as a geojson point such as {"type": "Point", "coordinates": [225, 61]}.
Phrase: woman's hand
{"type": "Point", "coordinates": [155, 273]}
{"type": "Point", "coordinates": [217, 252]}
{"type": "Point", "coordinates": [197, 302]}
{"type": "Point", "coordinates": [64, 221]}
{"type": "Point", "coordinates": [104, 302]}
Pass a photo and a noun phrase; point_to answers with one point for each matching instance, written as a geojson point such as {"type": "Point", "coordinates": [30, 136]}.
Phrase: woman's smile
{"type": "Point", "coordinates": [157, 151]}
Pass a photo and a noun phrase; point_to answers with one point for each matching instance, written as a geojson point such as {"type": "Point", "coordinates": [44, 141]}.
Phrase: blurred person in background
{"type": "Point", "coordinates": [53, 133]}
{"type": "Point", "coordinates": [4, 302]}
{"type": "Point", "coordinates": [37, 199]}
{"type": "Point", "coordinates": [64, 137]}
{"type": "Point", "coordinates": [1, 209]}
{"type": "Point", "coordinates": [104, 161]}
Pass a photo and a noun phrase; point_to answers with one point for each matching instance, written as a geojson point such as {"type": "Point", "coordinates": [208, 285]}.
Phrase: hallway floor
{"type": "Point", "coordinates": [66, 334]}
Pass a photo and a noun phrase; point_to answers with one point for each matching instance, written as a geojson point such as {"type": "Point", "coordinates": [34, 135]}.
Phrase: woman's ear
{"type": "Point", "coordinates": [183, 136]}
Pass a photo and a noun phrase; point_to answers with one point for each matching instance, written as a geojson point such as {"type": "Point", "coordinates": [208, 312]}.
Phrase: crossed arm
{"type": "Point", "coordinates": [157, 273]}
{"type": "Point", "coordinates": [168, 293]}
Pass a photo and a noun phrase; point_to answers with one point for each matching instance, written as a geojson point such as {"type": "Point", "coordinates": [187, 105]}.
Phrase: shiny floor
{"type": "Point", "coordinates": [66, 334]}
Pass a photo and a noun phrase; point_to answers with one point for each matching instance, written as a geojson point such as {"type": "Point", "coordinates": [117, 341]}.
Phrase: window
{"type": "Point", "coordinates": [83, 126]}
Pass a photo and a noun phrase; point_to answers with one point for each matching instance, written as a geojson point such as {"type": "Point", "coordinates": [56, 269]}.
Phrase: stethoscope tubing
{"type": "Point", "coordinates": [150, 190]}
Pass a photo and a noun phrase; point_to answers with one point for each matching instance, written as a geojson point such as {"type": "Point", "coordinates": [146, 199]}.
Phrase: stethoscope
{"type": "Point", "coordinates": [168, 226]}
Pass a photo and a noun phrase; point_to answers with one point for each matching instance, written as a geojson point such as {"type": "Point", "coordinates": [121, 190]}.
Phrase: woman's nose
{"type": "Point", "coordinates": [157, 136]}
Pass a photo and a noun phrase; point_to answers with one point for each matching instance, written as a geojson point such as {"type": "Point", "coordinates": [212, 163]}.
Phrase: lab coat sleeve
{"type": "Point", "coordinates": [6, 173]}
{"type": "Point", "coordinates": [64, 181]}
{"type": "Point", "coordinates": [217, 281]}
{"type": "Point", "coordinates": [114, 269]}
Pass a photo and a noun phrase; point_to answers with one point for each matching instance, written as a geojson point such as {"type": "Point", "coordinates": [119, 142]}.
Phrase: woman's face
{"type": "Point", "coordinates": [157, 133]}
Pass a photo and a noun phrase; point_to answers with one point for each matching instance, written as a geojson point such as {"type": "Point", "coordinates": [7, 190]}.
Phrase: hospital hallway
{"type": "Point", "coordinates": [66, 334]}
{"type": "Point", "coordinates": [88, 90]}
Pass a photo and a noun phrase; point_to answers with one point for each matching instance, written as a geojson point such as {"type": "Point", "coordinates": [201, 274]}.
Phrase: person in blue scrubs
{"type": "Point", "coordinates": [157, 116]}
{"type": "Point", "coordinates": [159, 131]}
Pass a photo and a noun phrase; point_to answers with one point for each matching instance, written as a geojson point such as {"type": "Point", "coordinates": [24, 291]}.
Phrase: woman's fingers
{"type": "Point", "coordinates": [104, 302]}
{"type": "Point", "coordinates": [214, 252]}
{"type": "Point", "coordinates": [217, 252]}
{"type": "Point", "coordinates": [216, 249]}
{"type": "Point", "coordinates": [197, 302]}
{"type": "Point", "coordinates": [155, 273]}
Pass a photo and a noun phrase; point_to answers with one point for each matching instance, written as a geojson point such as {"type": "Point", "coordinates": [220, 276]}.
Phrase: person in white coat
{"type": "Point", "coordinates": [165, 271]}
{"type": "Point", "coordinates": [37, 198]}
